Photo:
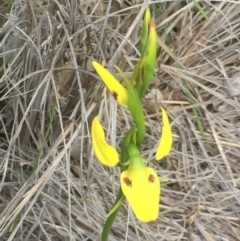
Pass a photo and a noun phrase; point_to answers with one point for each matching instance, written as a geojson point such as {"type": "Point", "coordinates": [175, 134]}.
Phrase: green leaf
{"type": "Point", "coordinates": [129, 138]}
{"type": "Point", "coordinates": [145, 30]}
{"type": "Point", "coordinates": [111, 217]}
{"type": "Point", "coordinates": [116, 206]}
{"type": "Point", "coordinates": [136, 109]}
{"type": "Point", "coordinates": [149, 59]}
{"type": "Point", "coordinates": [137, 76]}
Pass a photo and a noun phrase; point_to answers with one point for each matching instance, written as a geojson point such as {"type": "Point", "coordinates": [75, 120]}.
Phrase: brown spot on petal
{"type": "Point", "coordinates": [127, 181]}
{"type": "Point", "coordinates": [151, 178]}
{"type": "Point", "coordinates": [115, 95]}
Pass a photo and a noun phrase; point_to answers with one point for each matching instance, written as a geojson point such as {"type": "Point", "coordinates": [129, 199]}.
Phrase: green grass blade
{"type": "Point", "coordinates": [9, 5]}
{"type": "Point", "coordinates": [16, 220]}
{"type": "Point", "coordinates": [2, 67]}
{"type": "Point", "coordinates": [46, 136]}
{"type": "Point", "coordinates": [200, 9]}
{"type": "Point", "coordinates": [191, 100]}
{"type": "Point", "coordinates": [194, 109]}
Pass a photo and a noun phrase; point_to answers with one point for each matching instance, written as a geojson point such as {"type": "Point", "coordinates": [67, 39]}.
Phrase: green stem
{"type": "Point", "coordinates": [109, 222]}
{"type": "Point", "coordinates": [129, 138]}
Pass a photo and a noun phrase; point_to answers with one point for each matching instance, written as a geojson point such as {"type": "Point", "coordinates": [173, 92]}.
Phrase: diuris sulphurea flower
{"type": "Point", "coordinates": [140, 184]}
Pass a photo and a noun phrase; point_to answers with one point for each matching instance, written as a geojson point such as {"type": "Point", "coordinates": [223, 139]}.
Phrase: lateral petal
{"type": "Point", "coordinates": [104, 152]}
{"type": "Point", "coordinates": [165, 143]}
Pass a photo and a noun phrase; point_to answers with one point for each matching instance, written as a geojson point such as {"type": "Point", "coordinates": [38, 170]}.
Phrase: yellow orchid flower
{"type": "Point", "coordinates": [165, 144]}
{"type": "Point", "coordinates": [104, 152]}
{"type": "Point", "coordinates": [117, 90]}
{"type": "Point", "coordinates": [141, 186]}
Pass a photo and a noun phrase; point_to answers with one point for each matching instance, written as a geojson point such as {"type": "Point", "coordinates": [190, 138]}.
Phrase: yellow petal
{"type": "Point", "coordinates": [165, 144]}
{"type": "Point", "coordinates": [117, 90]}
{"type": "Point", "coordinates": [104, 152]}
{"type": "Point", "coordinates": [141, 186]}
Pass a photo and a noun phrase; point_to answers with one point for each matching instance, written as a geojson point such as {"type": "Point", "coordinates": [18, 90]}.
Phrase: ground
{"type": "Point", "coordinates": [52, 185]}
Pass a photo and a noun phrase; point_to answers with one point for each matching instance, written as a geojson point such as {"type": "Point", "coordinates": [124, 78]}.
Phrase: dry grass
{"type": "Point", "coordinates": [46, 48]}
